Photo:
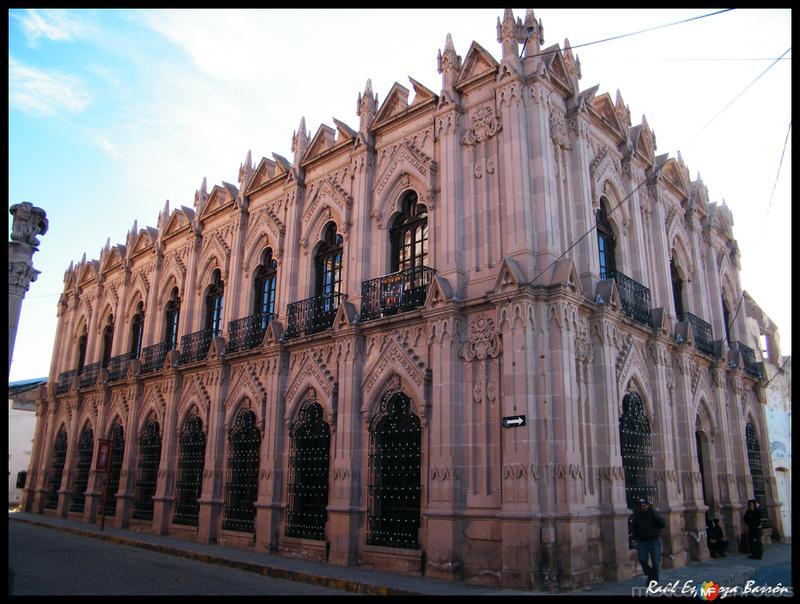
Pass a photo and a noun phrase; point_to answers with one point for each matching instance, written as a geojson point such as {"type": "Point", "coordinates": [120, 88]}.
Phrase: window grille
{"type": "Point", "coordinates": [677, 288]}
{"type": "Point", "coordinates": [637, 455]}
{"type": "Point", "coordinates": [137, 328]}
{"type": "Point", "coordinates": [191, 461]}
{"type": "Point", "coordinates": [82, 467]}
{"type": "Point", "coordinates": [264, 287]}
{"type": "Point", "coordinates": [56, 469]}
{"type": "Point", "coordinates": [394, 475]}
{"type": "Point", "coordinates": [117, 451]}
{"type": "Point", "coordinates": [214, 303]}
{"type": "Point", "coordinates": [171, 318]}
{"type": "Point", "coordinates": [81, 353]}
{"type": "Point", "coordinates": [108, 340]}
{"type": "Point", "coordinates": [329, 270]}
{"type": "Point", "coordinates": [756, 471]}
{"type": "Point", "coordinates": [409, 235]}
{"type": "Point", "coordinates": [147, 470]}
{"type": "Point", "coordinates": [241, 481]}
{"type": "Point", "coordinates": [308, 474]}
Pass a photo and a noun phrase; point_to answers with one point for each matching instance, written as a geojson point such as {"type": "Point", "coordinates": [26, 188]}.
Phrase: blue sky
{"type": "Point", "coordinates": [112, 112]}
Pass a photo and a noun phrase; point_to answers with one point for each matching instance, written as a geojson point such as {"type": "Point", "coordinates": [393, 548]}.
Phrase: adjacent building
{"type": "Point", "coordinates": [398, 349]}
{"type": "Point", "coordinates": [21, 428]}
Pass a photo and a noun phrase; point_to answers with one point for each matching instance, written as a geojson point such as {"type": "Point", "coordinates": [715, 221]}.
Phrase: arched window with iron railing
{"type": "Point", "coordinates": [171, 317]}
{"type": "Point", "coordinates": [328, 260]}
{"type": "Point", "coordinates": [241, 480]}
{"type": "Point", "coordinates": [137, 331]}
{"type": "Point", "coordinates": [409, 235]}
{"type": "Point", "coordinates": [214, 295]}
{"type": "Point", "coordinates": [117, 437]}
{"type": "Point", "coordinates": [147, 470]}
{"type": "Point", "coordinates": [108, 340]}
{"type": "Point", "coordinates": [308, 473]}
{"type": "Point", "coordinates": [57, 463]}
{"type": "Point", "coordinates": [82, 466]}
{"type": "Point", "coordinates": [677, 289]}
{"type": "Point", "coordinates": [191, 461]}
{"type": "Point", "coordinates": [756, 469]}
{"type": "Point", "coordinates": [606, 242]}
{"type": "Point", "coordinates": [264, 288]}
{"type": "Point", "coordinates": [636, 442]}
{"type": "Point", "coordinates": [81, 360]}
{"type": "Point", "coordinates": [394, 474]}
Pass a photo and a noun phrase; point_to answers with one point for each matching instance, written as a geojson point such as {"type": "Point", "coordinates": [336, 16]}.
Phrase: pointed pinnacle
{"type": "Point", "coordinates": [448, 43]}
{"type": "Point", "coordinates": [368, 88]}
{"type": "Point", "coordinates": [203, 185]}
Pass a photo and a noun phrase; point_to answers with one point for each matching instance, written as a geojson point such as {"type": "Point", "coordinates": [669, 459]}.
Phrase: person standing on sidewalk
{"type": "Point", "coordinates": [647, 526]}
{"type": "Point", "coordinates": [717, 544]}
{"type": "Point", "coordinates": [752, 519]}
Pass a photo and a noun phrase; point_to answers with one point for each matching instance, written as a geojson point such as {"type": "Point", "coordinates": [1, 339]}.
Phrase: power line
{"type": "Point", "coordinates": [780, 371]}
{"type": "Point", "coordinates": [786, 140]}
{"type": "Point", "coordinates": [740, 94]}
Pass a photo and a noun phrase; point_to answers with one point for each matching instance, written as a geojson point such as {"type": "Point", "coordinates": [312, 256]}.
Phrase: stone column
{"type": "Point", "coordinates": [28, 221]}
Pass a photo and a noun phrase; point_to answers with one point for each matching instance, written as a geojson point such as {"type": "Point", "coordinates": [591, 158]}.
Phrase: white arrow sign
{"type": "Point", "coordinates": [514, 421]}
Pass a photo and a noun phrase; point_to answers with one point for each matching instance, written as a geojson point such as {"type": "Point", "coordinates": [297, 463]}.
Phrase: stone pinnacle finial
{"type": "Point", "coordinates": [366, 108]}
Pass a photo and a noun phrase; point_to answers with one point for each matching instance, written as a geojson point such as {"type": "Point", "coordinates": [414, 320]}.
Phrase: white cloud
{"type": "Point", "coordinates": [54, 25]}
{"type": "Point", "coordinates": [39, 92]}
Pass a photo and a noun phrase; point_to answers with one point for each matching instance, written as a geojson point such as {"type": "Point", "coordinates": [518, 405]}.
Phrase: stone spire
{"type": "Point", "coordinates": [449, 65]}
{"type": "Point", "coordinates": [245, 171]}
{"type": "Point", "coordinates": [533, 34]}
{"type": "Point", "coordinates": [366, 108]}
{"type": "Point", "coordinates": [200, 197]}
{"type": "Point", "coordinates": [509, 33]}
{"type": "Point", "coordinates": [300, 142]}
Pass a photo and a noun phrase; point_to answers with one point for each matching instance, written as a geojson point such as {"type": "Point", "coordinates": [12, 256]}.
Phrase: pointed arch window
{"type": "Point", "coordinates": [117, 452]}
{"type": "Point", "coordinates": [394, 474]}
{"type": "Point", "coordinates": [137, 330]}
{"type": "Point", "coordinates": [82, 467]}
{"type": "Point", "coordinates": [108, 340]}
{"type": "Point", "coordinates": [241, 480]}
{"type": "Point", "coordinates": [264, 288]}
{"type": "Point", "coordinates": [637, 453]}
{"type": "Point", "coordinates": [701, 464]}
{"type": "Point", "coordinates": [171, 317]}
{"type": "Point", "coordinates": [147, 470]}
{"type": "Point", "coordinates": [191, 462]}
{"type": "Point", "coordinates": [606, 242]}
{"type": "Point", "coordinates": [81, 351]}
{"type": "Point", "coordinates": [328, 262]}
{"type": "Point", "coordinates": [677, 289]}
{"type": "Point", "coordinates": [56, 469]}
{"type": "Point", "coordinates": [214, 303]}
{"type": "Point", "coordinates": [409, 235]}
{"type": "Point", "coordinates": [726, 320]}
{"type": "Point", "coordinates": [308, 473]}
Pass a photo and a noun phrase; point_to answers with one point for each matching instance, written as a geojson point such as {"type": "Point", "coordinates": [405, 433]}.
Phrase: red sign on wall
{"type": "Point", "coordinates": [103, 455]}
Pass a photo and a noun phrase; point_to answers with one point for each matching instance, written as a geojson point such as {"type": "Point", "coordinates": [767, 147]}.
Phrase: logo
{"type": "Point", "coordinates": [709, 591]}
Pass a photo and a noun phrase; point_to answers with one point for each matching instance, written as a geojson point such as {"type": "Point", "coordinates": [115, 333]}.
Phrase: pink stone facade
{"type": "Point", "coordinates": [512, 161]}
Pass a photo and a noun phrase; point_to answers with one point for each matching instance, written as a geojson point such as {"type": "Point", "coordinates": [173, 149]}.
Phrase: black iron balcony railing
{"type": "Point", "coordinates": [194, 346]}
{"type": "Point", "coordinates": [118, 366]}
{"type": "Point", "coordinates": [634, 296]}
{"type": "Point", "coordinates": [312, 314]}
{"type": "Point", "coordinates": [153, 357]}
{"type": "Point", "coordinates": [64, 381]}
{"type": "Point", "coordinates": [749, 357]}
{"type": "Point", "coordinates": [395, 293]}
{"type": "Point", "coordinates": [89, 375]}
{"type": "Point", "coordinates": [702, 333]}
{"type": "Point", "coordinates": [247, 333]}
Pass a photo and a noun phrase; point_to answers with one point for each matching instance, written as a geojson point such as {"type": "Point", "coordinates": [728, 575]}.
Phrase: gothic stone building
{"type": "Point", "coordinates": [323, 360]}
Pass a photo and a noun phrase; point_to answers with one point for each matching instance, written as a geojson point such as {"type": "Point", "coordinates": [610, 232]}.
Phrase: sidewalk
{"type": "Point", "coordinates": [735, 569]}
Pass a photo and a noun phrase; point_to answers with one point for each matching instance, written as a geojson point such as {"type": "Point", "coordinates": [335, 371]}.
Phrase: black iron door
{"type": "Point", "coordinates": [241, 484]}
{"type": "Point", "coordinates": [190, 471]}
{"type": "Point", "coordinates": [756, 471]}
{"type": "Point", "coordinates": [308, 474]}
{"type": "Point", "coordinates": [394, 488]}
{"type": "Point", "coordinates": [147, 471]}
{"type": "Point", "coordinates": [637, 454]}
{"type": "Point", "coordinates": [56, 469]}
{"type": "Point", "coordinates": [117, 451]}
{"type": "Point", "coordinates": [82, 467]}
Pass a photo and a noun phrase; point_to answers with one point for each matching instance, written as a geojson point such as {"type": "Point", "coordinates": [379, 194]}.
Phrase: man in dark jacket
{"type": "Point", "coordinates": [752, 519]}
{"type": "Point", "coordinates": [717, 544]}
{"type": "Point", "coordinates": [647, 525]}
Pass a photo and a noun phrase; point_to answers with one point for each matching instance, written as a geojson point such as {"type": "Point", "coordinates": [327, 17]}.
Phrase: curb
{"type": "Point", "coordinates": [262, 569]}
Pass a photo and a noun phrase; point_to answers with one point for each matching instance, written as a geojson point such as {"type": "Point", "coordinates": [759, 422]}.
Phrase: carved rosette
{"type": "Point", "coordinates": [483, 342]}
{"type": "Point", "coordinates": [485, 124]}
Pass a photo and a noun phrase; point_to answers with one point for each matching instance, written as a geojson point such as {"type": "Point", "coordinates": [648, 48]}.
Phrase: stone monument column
{"type": "Point", "coordinates": [29, 221]}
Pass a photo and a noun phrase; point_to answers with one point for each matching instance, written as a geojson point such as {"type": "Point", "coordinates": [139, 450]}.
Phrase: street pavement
{"type": "Point", "coordinates": [734, 570]}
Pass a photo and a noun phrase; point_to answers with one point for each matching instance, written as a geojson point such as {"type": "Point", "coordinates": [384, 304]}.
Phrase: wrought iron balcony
{"type": "Point", "coordinates": [247, 333]}
{"type": "Point", "coordinates": [395, 293]}
{"type": "Point", "coordinates": [89, 375]}
{"type": "Point", "coordinates": [65, 381]}
{"type": "Point", "coordinates": [118, 366]}
{"type": "Point", "coordinates": [312, 314]}
{"type": "Point", "coordinates": [194, 346]}
{"type": "Point", "coordinates": [634, 296]}
{"type": "Point", "coordinates": [702, 333]}
{"type": "Point", "coordinates": [749, 356]}
{"type": "Point", "coordinates": [153, 357]}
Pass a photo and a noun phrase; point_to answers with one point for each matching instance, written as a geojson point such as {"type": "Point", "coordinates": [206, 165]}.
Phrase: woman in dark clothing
{"type": "Point", "coordinates": [717, 544]}
{"type": "Point", "coordinates": [752, 519]}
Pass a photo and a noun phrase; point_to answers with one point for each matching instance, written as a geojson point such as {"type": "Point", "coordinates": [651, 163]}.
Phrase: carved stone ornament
{"type": "Point", "coordinates": [28, 222]}
{"type": "Point", "coordinates": [558, 128]}
{"type": "Point", "coordinates": [485, 124]}
{"type": "Point", "coordinates": [483, 341]}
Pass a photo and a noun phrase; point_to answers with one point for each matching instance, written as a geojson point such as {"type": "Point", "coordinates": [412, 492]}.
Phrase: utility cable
{"type": "Point", "coordinates": [780, 371]}
{"type": "Point", "coordinates": [786, 140]}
